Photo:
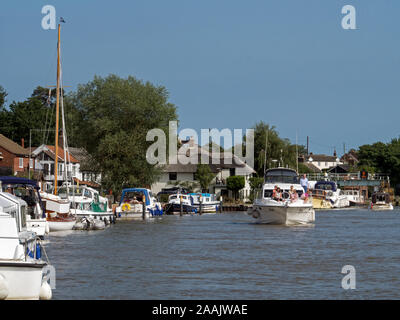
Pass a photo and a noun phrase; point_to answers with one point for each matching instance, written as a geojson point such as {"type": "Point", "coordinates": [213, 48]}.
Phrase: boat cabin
{"type": "Point", "coordinates": [27, 190]}
{"type": "Point", "coordinates": [15, 207]}
{"type": "Point", "coordinates": [381, 198]}
{"type": "Point", "coordinates": [281, 175]}
{"type": "Point", "coordinates": [136, 196]}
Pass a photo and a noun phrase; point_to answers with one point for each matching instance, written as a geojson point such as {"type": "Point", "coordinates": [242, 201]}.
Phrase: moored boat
{"type": "Point", "coordinates": [22, 270]}
{"type": "Point", "coordinates": [138, 203]}
{"type": "Point", "coordinates": [380, 201]}
{"type": "Point", "coordinates": [180, 203]}
{"type": "Point", "coordinates": [327, 195]}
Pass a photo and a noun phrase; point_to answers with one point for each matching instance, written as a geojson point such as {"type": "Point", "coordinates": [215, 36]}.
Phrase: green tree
{"type": "Point", "coordinates": [204, 176]}
{"type": "Point", "coordinates": [255, 183]}
{"type": "Point", "coordinates": [278, 149]}
{"type": "Point", "coordinates": [3, 95]}
{"type": "Point", "coordinates": [115, 115]}
{"type": "Point", "coordinates": [235, 183]}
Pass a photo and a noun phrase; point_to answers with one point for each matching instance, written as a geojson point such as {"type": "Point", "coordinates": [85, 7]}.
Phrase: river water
{"type": "Point", "coordinates": [228, 256]}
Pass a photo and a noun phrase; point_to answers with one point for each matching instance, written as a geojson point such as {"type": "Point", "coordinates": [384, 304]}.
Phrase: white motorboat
{"type": "Point", "coordinates": [22, 271]}
{"type": "Point", "coordinates": [354, 197]}
{"type": "Point", "coordinates": [86, 202]}
{"type": "Point", "coordinates": [28, 191]}
{"type": "Point", "coordinates": [381, 201]}
{"type": "Point", "coordinates": [205, 202]}
{"type": "Point", "coordinates": [286, 210]}
{"type": "Point", "coordinates": [180, 203]}
{"type": "Point", "coordinates": [57, 212]}
{"type": "Point", "coordinates": [138, 203]}
{"type": "Point", "coordinates": [329, 195]}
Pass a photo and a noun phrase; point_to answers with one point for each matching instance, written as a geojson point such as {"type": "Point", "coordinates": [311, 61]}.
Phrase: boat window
{"type": "Point", "coordinates": [267, 193]}
{"type": "Point", "coordinates": [172, 197]}
{"type": "Point", "coordinates": [23, 216]}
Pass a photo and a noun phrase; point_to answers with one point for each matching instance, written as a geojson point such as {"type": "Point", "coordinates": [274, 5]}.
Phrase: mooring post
{"type": "Point", "coordinates": [144, 208]}
{"type": "Point", "coordinates": [220, 205]}
{"type": "Point", "coordinates": [201, 205]}
{"type": "Point", "coordinates": [181, 211]}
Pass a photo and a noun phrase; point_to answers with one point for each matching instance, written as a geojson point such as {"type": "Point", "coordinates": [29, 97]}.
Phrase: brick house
{"type": "Point", "coordinates": [14, 158]}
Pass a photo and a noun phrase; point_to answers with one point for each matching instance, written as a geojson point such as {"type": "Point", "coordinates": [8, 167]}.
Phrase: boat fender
{"type": "Point", "coordinates": [3, 287]}
{"type": "Point", "coordinates": [126, 207]}
{"type": "Point", "coordinates": [45, 291]}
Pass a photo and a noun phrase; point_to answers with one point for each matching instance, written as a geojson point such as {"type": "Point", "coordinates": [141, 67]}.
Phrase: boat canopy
{"type": "Point", "coordinates": [19, 181]}
{"type": "Point", "coordinates": [380, 196]}
{"type": "Point", "coordinates": [282, 175]}
{"type": "Point", "coordinates": [142, 191]}
{"type": "Point", "coordinates": [325, 185]}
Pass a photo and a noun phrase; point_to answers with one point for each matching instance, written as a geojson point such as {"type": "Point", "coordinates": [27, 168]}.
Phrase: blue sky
{"type": "Point", "coordinates": [226, 64]}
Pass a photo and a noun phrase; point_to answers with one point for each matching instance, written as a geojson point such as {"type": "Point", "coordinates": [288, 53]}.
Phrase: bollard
{"type": "Point", "coordinates": [201, 205]}
{"type": "Point", "coordinates": [181, 208]}
{"type": "Point", "coordinates": [144, 211]}
{"type": "Point", "coordinates": [220, 206]}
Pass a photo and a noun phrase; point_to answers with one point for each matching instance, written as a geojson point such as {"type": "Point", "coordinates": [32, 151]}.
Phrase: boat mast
{"type": "Point", "coordinates": [57, 110]}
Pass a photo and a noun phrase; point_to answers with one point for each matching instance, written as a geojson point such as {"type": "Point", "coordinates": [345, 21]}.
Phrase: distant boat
{"type": "Point", "coordinates": [208, 201]}
{"type": "Point", "coordinates": [134, 200]}
{"type": "Point", "coordinates": [180, 203]}
{"type": "Point", "coordinates": [380, 201]}
{"type": "Point", "coordinates": [285, 211]}
{"type": "Point", "coordinates": [327, 195]}
{"type": "Point", "coordinates": [354, 197]}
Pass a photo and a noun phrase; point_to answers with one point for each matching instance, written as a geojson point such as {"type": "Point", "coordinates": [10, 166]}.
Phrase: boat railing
{"type": "Point", "coordinates": [346, 176]}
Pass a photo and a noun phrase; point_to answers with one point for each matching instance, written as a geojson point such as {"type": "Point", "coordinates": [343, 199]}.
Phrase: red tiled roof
{"type": "Point", "coordinates": [70, 157]}
{"type": "Point", "coordinates": [13, 147]}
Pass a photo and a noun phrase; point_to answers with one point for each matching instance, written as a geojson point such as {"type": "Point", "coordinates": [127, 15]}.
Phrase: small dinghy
{"type": "Point", "coordinates": [91, 224]}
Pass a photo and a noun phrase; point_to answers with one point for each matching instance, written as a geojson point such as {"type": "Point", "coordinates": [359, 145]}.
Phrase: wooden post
{"type": "Point", "coordinates": [220, 205]}
{"type": "Point", "coordinates": [201, 205]}
{"type": "Point", "coordinates": [144, 208]}
{"type": "Point", "coordinates": [181, 208]}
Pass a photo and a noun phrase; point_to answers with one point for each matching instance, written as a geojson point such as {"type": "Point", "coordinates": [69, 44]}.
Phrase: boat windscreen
{"type": "Point", "coordinates": [281, 175]}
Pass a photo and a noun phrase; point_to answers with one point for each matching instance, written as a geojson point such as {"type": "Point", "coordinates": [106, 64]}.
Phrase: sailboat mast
{"type": "Point", "coordinates": [57, 111]}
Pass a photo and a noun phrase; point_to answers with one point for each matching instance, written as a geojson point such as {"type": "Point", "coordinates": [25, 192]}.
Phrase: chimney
{"type": "Point", "coordinates": [334, 152]}
{"type": "Point", "coordinates": [23, 143]}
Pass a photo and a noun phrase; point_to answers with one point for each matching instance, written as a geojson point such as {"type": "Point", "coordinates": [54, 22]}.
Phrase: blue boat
{"type": "Point", "coordinates": [132, 202]}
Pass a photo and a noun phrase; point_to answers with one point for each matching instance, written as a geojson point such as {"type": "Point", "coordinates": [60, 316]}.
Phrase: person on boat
{"type": "Point", "coordinates": [278, 194]}
{"type": "Point", "coordinates": [293, 194]}
{"type": "Point", "coordinates": [304, 183]}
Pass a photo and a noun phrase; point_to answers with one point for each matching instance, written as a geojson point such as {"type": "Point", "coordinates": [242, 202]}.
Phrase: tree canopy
{"type": "Point", "coordinates": [204, 176]}
{"type": "Point", "coordinates": [115, 115]}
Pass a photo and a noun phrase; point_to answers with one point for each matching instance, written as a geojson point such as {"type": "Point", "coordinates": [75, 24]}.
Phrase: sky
{"type": "Point", "coordinates": [226, 63]}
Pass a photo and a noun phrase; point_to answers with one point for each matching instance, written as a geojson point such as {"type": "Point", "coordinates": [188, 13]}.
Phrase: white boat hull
{"type": "Point", "coordinates": [283, 214]}
{"type": "Point", "coordinates": [39, 226]}
{"type": "Point", "coordinates": [23, 280]}
{"type": "Point", "coordinates": [61, 225]}
{"type": "Point", "coordinates": [382, 207]}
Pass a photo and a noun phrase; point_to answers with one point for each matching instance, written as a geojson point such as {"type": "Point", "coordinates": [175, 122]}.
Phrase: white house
{"type": "Point", "coordinates": [220, 166]}
{"type": "Point", "coordinates": [322, 161]}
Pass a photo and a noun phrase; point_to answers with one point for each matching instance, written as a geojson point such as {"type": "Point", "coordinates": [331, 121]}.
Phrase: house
{"type": "Point", "coordinates": [350, 158]}
{"type": "Point", "coordinates": [340, 168]}
{"type": "Point", "coordinates": [14, 158]}
{"type": "Point", "coordinates": [174, 173]}
{"type": "Point", "coordinates": [45, 160]}
{"type": "Point", "coordinates": [86, 173]}
{"type": "Point", "coordinates": [322, 161]}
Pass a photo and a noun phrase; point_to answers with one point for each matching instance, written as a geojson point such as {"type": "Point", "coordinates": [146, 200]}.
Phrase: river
{"type": "Point", "coordinates": [228, 256]}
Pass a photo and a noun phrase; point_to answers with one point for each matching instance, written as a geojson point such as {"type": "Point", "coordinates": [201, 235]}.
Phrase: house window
{"type": "Point", "coordinates": [173, 176]}
{"type": "Point", "coordinates": [31, 163]}
{"type": "Point", "coordinates": [21, 162]}
{"type": "Point", "coordinates": [194, 176]}
{"type": "Point", "coordinates": [232, 171]}
{"type": "Point", "coordinates": [319, 164]}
